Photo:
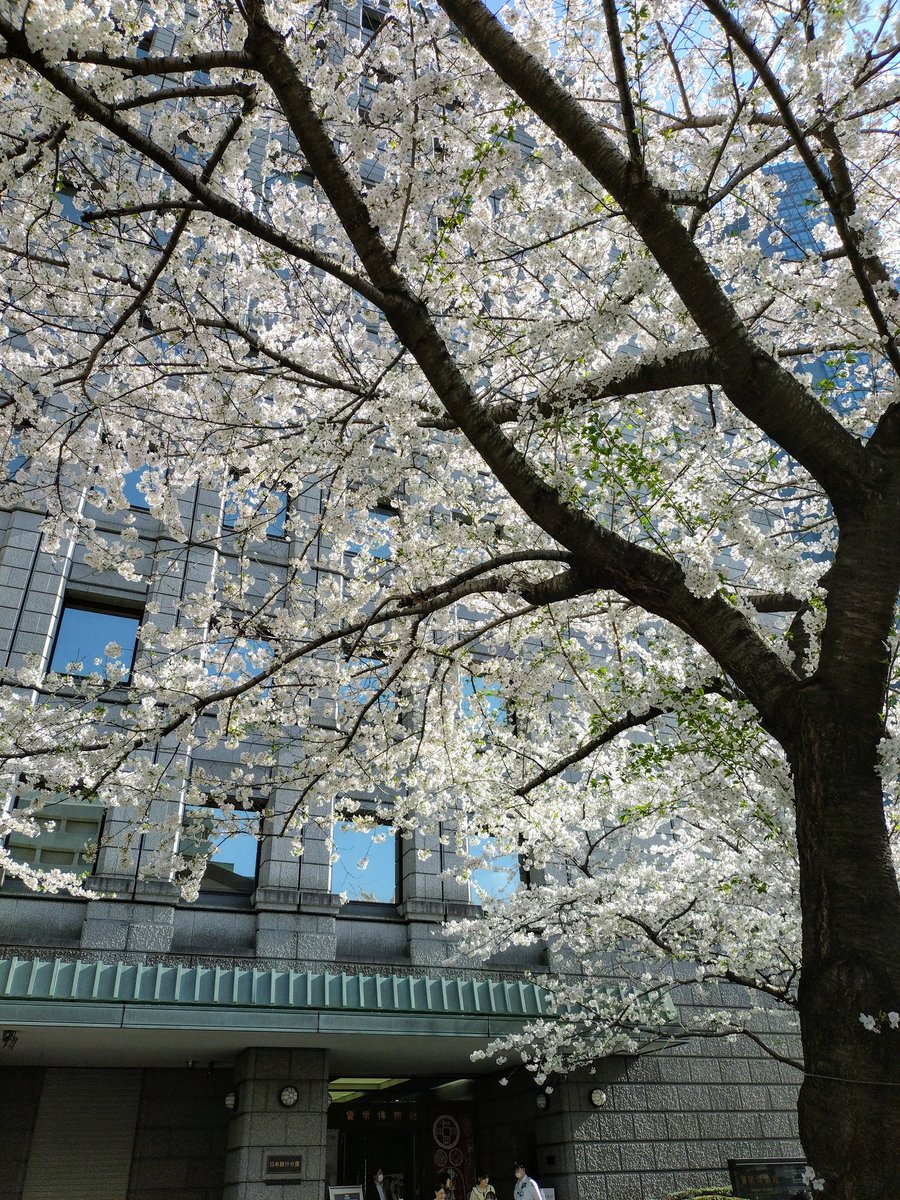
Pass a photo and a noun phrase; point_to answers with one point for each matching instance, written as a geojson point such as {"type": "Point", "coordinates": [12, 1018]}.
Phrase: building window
{"type": "Point", "coordinates": [68, 838]}
{"type": "Point", "coordinates": [236, 659]}
{"type": "Point", "coordinates": [375, 526]}
{"type": "Point", "coordinates": [228, 842]}
{"type": "Point", "coordinates": [131, 489]}
{"type": "Point", "coordinates": [497, 877]}
{"type": "Point", "coordinates": [256, 509]}
{"type": "Point", "coordinates": [365, 865]}
{"type": "Point", "coordinates": [482, 701]}
{"type": "Point", "coordinates": [14, 459]}
{"type": "Point", "coordinates": [372, 18]}
{"type": "Point", "coordinates": [367, 685]}
{"type": "Point", "coordinates": [95, 639]}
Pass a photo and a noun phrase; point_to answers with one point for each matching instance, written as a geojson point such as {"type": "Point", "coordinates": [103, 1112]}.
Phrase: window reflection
{"type": "Point", "coordinates": [365, 867]}
{"type": "Point", "coordinates": [95, 640]}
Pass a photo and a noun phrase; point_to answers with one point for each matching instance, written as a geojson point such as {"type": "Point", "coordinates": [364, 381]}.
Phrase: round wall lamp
{"type": "Point", "coordinates": [598, 1097]}
{"type": "Point", "coordinates": [541, 1101]}
{"type": "Point", "coordinates": [230, 1101]}
{"type": "Point", "coordinates": [288, 1096]}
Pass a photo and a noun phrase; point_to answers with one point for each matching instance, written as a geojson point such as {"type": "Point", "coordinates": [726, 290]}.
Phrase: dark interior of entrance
{"type": "Point", "coordinates": [411, 1128]}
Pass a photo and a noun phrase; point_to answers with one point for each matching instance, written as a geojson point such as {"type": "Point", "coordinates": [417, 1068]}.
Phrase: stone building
{"type": "Point", "coordinates": [272, 1040]}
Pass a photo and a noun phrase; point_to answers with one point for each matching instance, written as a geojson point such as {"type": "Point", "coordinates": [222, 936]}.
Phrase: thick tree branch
{"type": "Point", "coordinates": [623, 85]}
{"type": "Point", "coordinates": [686, 368]}
{"type": "Point", "coordinates": [867, 268]}
{"type": "Point", "coordinates": [605, 560]}
{"type": "Point", "coordinates": [220, 206]}
{"type": "Point", "coordinates": [163, 64]}
{"type": "Point", "coordinates": [754, 381]}
{"type": "Point", "coordinates": [181, 93]}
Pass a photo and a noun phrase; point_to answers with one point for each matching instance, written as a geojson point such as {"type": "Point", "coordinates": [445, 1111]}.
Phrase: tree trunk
{"type": "Point", "coordinates": [850, 1100]}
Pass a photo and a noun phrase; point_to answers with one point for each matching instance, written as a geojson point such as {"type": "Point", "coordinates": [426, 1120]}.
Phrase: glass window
{"type": "Point", "coordinates": [368, 680]}
{"type": "Point", "coordinates": [498, 878]}
{"type": "Point", "coordinates": [799, 210]}
{"type": "Point", "coordinates": [65, 194]}
{"type": "Point", "coordinates": [70, 831]}
{"type": "Point", "coordinates": [92, 638]}
{"type": "Point", "coordinates": [249, 503]}
{"type": "Point", "coordinates": [239, 657]}
{"type": "Point", "coordinates": [132, 491]}
{"type": "Point", "coordinates": [231, 844]}
{"type": "Point", "coordinates": [14, 459]}
{"type": "Point", "coordinates": [372, 18]}
{"type": "Point", "coordinates": [378, 532]}
{"type": "Point", "coordinates": [366, 865]}
{"type": "Point", "coordinates": [482, 698]}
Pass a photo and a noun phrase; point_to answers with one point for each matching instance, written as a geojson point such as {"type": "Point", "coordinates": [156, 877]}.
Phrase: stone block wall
{"type": "Point", "coordinates": [670, 1121]}
{"type": "Point", "coordinates": [20, 1094]}
{"type": "Point", "coordinates": [182, 1135]}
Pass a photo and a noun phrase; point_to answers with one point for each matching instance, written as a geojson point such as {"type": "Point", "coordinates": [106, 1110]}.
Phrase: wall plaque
{"type": "Point", "coordinates": [283, 1166]}
{"type": "Point", "coordinates": [768, 1178]}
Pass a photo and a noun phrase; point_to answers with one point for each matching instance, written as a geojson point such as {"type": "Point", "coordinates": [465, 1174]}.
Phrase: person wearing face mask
{"type": "Point", "coordinates": [377, 1189]}
{"type": "Point", "coordinates": [526, 1188]}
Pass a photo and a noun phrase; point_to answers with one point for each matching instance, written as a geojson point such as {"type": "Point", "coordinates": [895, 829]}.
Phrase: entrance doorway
{"type": "Point", "coordinates": [410, 1128]}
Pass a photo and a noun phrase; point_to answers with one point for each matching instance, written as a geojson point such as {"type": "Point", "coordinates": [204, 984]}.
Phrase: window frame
{"type": "Point", "coordinates": [46, 837]}
{"type": "Point", "coordinates": [100, 607]}
{"type": "Point", "coordinates": [360, 904]}
{"type": "Point", "coordinates": [221, 894]}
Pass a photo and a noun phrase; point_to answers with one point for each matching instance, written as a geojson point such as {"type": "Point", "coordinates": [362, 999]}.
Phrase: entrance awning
{"type": "Point", "coordinates": [79, 992]}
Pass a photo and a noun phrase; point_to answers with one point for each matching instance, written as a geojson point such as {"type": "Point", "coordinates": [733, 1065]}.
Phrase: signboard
{"type": "Point", "coordinates": [345, 1191]}
{"type": "Point", "coordinates": [768, 1178]}
{"type": "Point", "coordinates": [283, 1167]}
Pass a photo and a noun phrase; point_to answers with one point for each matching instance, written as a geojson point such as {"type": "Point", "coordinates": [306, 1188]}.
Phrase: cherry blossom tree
{"type": "Point", "coordinates": [564, 348]}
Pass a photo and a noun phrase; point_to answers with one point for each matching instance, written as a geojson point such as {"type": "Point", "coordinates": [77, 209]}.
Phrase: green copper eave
{"type": "Point", "coordinates": [76, 980]}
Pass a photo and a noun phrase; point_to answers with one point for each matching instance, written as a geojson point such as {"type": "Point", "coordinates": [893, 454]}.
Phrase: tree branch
{"type": "Point", "coordinates": [840, 201]}
{"type": "Point", "coordinates": [755, 382]}
{"type": "Point", "coordinates": [85, 100]}
{"type": "Point", "coordinates": [629, 119]}
{"type": "Point", "coordinates": [164, 64]}
{"type": "Point", "coordinates": [169, 249]}
{"type": "Point", "coordinates": [685, 368]}
{"type": "Point", "coordinates": [605, 560]}
{"type": "Point", "coordinates": [180, 93]}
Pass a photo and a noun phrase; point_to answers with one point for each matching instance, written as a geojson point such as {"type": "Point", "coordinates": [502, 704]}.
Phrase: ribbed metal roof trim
{"type": "Point", "coordinates": [249, 987]}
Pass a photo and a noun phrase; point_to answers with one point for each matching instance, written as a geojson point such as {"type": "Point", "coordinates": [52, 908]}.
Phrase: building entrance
{"type": "Point", "coordinates": [409, 1131]}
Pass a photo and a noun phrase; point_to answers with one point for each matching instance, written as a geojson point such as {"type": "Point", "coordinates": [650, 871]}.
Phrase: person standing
{"type": "Point", "coordinates": [483, 1189]}
{"type": "Point", "coordinates": [444, 1180]}
{"type": "Point", "coordinates": [526, 1188]}
{"type": "Point", "coordinates": [376, 1189]}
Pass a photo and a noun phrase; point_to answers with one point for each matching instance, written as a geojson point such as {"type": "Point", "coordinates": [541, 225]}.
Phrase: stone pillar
{"type": "Point", "coordinates": [282, 932]}
{"type": "Point", "coordinates": [264, 1134]}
